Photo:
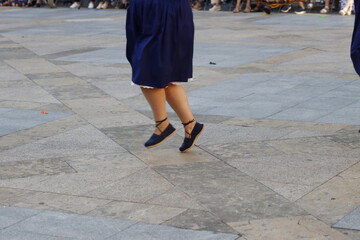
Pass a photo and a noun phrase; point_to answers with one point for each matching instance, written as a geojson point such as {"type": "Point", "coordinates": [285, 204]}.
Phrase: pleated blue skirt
{"type": "Point", "coordinates": [160, 41]}
{"type": "Point", "coordinates": [355, 44]}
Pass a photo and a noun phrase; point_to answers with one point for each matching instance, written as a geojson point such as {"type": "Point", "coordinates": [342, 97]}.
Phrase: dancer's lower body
{"type": "Point", "coordinates": [176, 96]}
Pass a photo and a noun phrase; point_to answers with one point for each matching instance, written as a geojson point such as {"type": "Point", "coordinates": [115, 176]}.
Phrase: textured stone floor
{"type": "Point", "coordinates": [279, 157]}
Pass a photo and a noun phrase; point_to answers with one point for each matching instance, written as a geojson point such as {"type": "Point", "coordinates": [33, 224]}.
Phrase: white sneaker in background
{"type": "Point", "coordinates": [91, 5]}
{"type": "Point", "coordinates": [215, 8]}
{"type": "Point", "coordinates": [99, 5]}
{"type": "Point", "coordinates": [75, 5]}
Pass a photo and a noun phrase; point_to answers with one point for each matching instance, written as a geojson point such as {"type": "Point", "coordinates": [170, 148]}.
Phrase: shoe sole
{"type": "Point", "coordinates": [152, 146]}
{"type": "Point", "coordinates": [194, 141]}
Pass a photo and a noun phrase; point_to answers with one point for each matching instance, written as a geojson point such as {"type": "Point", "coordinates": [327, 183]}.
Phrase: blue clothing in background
{"type": "Point", "coordinates": [355, 44]}
{"type": "Point", "coordinates": [160, 41]}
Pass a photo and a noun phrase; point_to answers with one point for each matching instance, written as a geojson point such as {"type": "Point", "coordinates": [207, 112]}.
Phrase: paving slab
{"type": "Point", "coordinates": [350, 221]}
{"type": "Point", "coordinates": [84, 140]}
{"type": "Point", "coordinates": [334, 199]}
{"type": "Point", "coordinates": [140, 187]}
{"type": "Point", "coordinates": [199, 220]}
{"type": "Point", "coordinates": [13, 120]}
{"type": "Point", "coordinates": [200, 181]}
{"type": "Point", "coordinates": [298, 227]}
{"type": "Point", "coordinates": [20, 169]}
{"type": "Point", "coordinates": [146, 213]}
{"type": "Point", "coordinates": [70, 225]}
{"type": "Point", "coordinates": [11, 216]}
{"type": "Point", "coordinates": [222, 55]}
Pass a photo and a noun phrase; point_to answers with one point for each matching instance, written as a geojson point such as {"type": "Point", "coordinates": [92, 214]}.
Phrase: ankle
{"type": "Point", "coordinates": [161, 125]}
{"type": "Point", "coordinates": [188, 127]}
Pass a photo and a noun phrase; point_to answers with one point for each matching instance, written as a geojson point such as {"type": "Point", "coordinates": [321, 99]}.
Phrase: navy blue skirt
{"type": "Point", "coordinates": [355, 44]}
{"type": "Point", "coordinates": [160, 41]}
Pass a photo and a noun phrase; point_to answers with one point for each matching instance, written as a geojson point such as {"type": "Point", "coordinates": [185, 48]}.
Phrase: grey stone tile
{"type": "Point", "coordinates": [345, 115]}
{"type": "Point", "coordinates": [28, 94]}
{"type": "Point", "coordinates": [75, 91]}
{"type": "Point", "coordinates": [132, 138]}
{"type": "Point", "coordinates": [22, 235]}
{"type": "Point", "coordinates": [78, 184]}
{"type": "Point", "coordinates": [199, 220]}
{"type": "Point", "coordinates": [39, 132]}
{"type": "Point", "coordinates": [222, 55]}
{"type": "Point", "coordinates": [350, 221]}
{"type": "Point", "coordinates": [55, 202]}
{"type": "Point", "coordinates": [334, 199]}
{"type": "Point", "coordinates": [104, 162]}
{"type": "Point", "coordinates": [146, 213]}
{"type": "Point", "coordinates": [231, 151]}
{"type": "Point", "coordinates": [20, 53]}
{"type": "Point", "coordinates": [84, 140]}
{"type": "Point", "coordinates": [71, 225]}
{"type": "Point", "coordinates": [46, 76]}
{"type": "Point", "coordinates": [327, 103]}
{"type": "Point", "coordinates": [107, 112]}
{"type": "Point", "coordinates": [274, 96]}
{"type": "Point", "coordinates": [222, 134]}
{"type": "Point", "coordinates": [149, 232]}
{"type": "Point", "coordinates": [12, 120]}
{"type": "Point", "coordinates": [108, 28]}
{"type": "Point", "coordinates": [34, 65]}
{"type": "Point", "coordinates": [293, 227]}
{"type": "Point", "coordinates": [58, 13]}
{"type": "Point", "coordinates": [139, 187]}
{"type": "Point", "coordinates": [352, 234]}
{"type": "Point", "coordinates": [118, 89]}
{"type": "Point", "coordinates": [11, 216]}
{"type": "Point", "coordinates": [11, 74]}
{"type": "Point", "coordinates": [307, 169]}
{"type": "Point", "coordinates": [301, 114]}
{"type": "Point", "coordinates": [219, 187]}
{"type": "Point", "coordinates": [20, 169]}
{"type": "Point", "coordinates": [96, 69]}
{"type": "Point", "coordinates": [175, 198]}
{"type": "Point", "coordinates": [310, 20]}
{"type": "Point", "coordinates": [158, 157]}
{"type": "Point", "coordinates": [313, 145]}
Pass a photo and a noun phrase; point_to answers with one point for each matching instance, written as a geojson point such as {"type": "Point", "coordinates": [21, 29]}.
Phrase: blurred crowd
{"type": "Point", "coordinates": [344, 7]}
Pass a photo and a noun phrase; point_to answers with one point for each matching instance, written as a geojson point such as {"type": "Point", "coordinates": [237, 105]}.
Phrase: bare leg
{"type": "Point", "coordinates": [348, 6]}
{"type": "Point", "coordinates": [327, 3]}
{"type": "Point", "coordinates": [258, 5]}
{"type": "Point", "coordinates": [248, 6]}
{"type": "Point", "coordinates": [237, 7]}
{"type": "Point", "coordinates": [157, 101]}
{"type": "Point", "coordinates": [177, 98]}
{"type": "Point", "coordinates": [301, 4]}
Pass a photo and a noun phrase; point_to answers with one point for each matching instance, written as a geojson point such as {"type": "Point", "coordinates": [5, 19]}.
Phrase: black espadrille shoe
{"type": "Point", "coordinates": [155, 139]}
{"type": "Point", "coordinates": [195, 133]}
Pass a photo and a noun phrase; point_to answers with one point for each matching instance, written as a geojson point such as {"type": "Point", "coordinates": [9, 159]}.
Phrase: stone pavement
{"type": "Point", "coordinates": [279, 158]}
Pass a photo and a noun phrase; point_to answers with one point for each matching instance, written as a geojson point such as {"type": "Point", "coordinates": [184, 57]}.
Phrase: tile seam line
{"type": "Point", "coordinates": [289, 201]}
{"type": "Point", "coordinates": [173, 185]}
{"type": "Point", "coordinates": [323, 93]}
{"type": "Point", "coordinates": [213, 215]}
{"type": "Point", "coordinates": [349, 213]}
{"type": "Point", "coordinates": [258, 182]}
{"type": "Point", "coordinates": [337, 175]}
{"type": "Point", "coordinates": [81, 196]}
{"type": "Point", "coordinates": [34, 215]}
{"type": "Point", "coordinates": [204, 207]}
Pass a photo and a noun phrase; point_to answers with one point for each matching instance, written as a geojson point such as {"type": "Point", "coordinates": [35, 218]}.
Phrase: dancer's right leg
{"type": "Point", "coordinates": [157, 100]}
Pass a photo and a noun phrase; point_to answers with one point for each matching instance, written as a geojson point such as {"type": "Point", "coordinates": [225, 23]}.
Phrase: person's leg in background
{"type": "Point", "coordinates": [216, 6]}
